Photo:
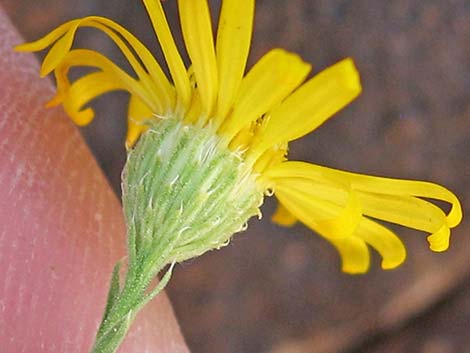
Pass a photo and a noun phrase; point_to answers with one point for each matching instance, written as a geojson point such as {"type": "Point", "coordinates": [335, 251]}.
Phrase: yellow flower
{"type": "Point", "coordinates": [254, 116]}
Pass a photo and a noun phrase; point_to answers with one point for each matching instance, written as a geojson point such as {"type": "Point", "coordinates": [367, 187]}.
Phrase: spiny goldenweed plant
{"type": "Point", "coordinates": [206, 146]}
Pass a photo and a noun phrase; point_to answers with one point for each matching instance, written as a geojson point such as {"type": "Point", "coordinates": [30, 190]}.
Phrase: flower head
{"type": "Point", "coordinates": [210, 113]}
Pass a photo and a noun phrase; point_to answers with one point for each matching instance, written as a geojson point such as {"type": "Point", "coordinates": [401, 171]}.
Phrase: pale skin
{"type": "Point", "coordinates": [61, 226]}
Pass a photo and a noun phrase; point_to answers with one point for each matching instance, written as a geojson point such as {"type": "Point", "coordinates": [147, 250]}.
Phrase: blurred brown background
{"type": "Point", "coordinates": [280, 290]}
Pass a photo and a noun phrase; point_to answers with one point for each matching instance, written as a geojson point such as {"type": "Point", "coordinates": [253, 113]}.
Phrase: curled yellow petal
{"type": "Point", "coordinates": [58, 50]}
{"type": "Point", "coordinates": [385, 194]}
{"type": "Point", "coordinates": [150, 74]}
{"type": "Point", "coordinates": [387, 244]}
{"type": "Point", "coordinates": [83, 91]}
{"type": "Point", "coordinates": [382, 239]}
{"type": "Point", "coordinates": [48, 39]}
{"type": "Point", "coordinates": [408, 187]}
{"type": "Point", "coordinates": [90, 58]}
{"type": "Point", "coordinates": [319, 215]}
{"type": "Point", "coordinates": [439, 240]}
{"type": "Point", "coordinates": [354, 253]}
{"type": "Point", "coordinates": [407, 211]}
{"type": "Point", "coordinates": [355, 257]}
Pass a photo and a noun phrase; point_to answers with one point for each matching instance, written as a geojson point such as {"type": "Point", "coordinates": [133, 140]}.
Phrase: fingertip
{"type": "Point", "coordinates": [62, 228]}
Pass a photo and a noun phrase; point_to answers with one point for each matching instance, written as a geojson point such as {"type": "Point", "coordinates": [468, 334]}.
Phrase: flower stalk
{"type": "Point", "coordinates": [122, 306]}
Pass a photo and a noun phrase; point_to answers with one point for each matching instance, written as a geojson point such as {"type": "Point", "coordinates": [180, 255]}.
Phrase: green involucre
{"type": "Point", "coordinates": [184, 194]}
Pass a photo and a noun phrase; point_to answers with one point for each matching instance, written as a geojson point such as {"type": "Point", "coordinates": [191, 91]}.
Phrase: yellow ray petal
{"type": "Point", "coordinates": [194, 112]}
{"type": "Point", "coordinates": [404, 210]}
{"type": "Point", "coordinates": [334, 209]}
{"type": "Point", "coordinates": [58, 50]}
{"type": "Point", "coordinates": [83, 91]}
{"type": "Point", "coordinates": [232, 48]}
{"type": "Point", "coordinates": [372, 184]}
{"type": "Point", "coordinates": [407, 187]}
{"type": "Point", "coordinates": [348, 218]}
{"type": "Point", "coordinates": [152, 76]}
{"type": "Point", "coordinates": [48, 39]}
{"type": "Point", "coordinates": [333, 220]}
{"type": "Point", "coordinates": [387, 244]}
{"type": "Point", "coordinates": [283, 217]}
{"type": "Point", "coordinates": [84, 57]}
{"type": "Point", "coordinates": [242, 140]}
{"type": "Point", "coordinates": [313, 212]}
{"type": "Point", "coordinates": [353, 250]}
{"type": "Point", "coordinates": [197, 34]}
{"type": "Point", "coordinates": [439, 240]}
{"type": "Point", "coordinates": [355, 257]}
{"type": "Point", "coordinates": [407, 211]}
{"type": "Point", "coordinates": [272, 78]}
{"type": "Point", "coordinates": [312, 104]}
{"type": "Point", "coordinates": [138, 113]}
{"type": "Point", "coordinates": [170, 51]}
{"type": "Point", "coordinates": [380, 198]}
{"type": "Point", "coordinates": [276, 154]}
{"type": "Point", "coordinates": [63, 85]}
